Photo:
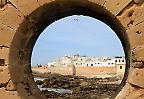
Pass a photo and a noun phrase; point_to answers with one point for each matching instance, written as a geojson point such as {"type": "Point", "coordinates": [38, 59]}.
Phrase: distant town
{"type": "Point", "coordinates": [85, 66]}
{"type": "Point", "coordinates": [78, 60]}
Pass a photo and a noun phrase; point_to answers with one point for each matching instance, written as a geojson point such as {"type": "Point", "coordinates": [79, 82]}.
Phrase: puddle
{"type": "Point", "coordinates": [52, 89]}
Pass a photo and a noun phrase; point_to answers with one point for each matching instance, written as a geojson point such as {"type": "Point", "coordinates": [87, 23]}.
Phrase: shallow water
{"type": "Point", "coordinates": [52, 89]}
{"type": "Point", "coordinates": [38, 78]}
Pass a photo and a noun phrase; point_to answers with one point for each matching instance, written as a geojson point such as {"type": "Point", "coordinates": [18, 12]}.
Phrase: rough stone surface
{"type": "Point", "coordinates": [139, 1]}
{"type": "Point", "coordinates": [133, 20]}
{"type": "Point", "coordinates": [116, 6]}
{"type": "Point", "coordinates": [10, 17]}
{"type": "Point", "coordinates": [11, 86]}
{"type": "Point", "coordinates": [6, 34]}
{"type": "Point", "coordinates": [138, 64]}
{"type": "Point", "coordinates": [138, 53]}
{"type": "Point", "coordinates": [3, 2]}
{"type": "Point", "coordinates": [132, 16]}
{"type": "Point", "coordinates": [5, 76]}
{"type": "Point", "coordinates": [131, 92]}
{"type": "Point", "coordinates": [136, 77]}
{"type": "Point", "coordinates": [25, 6]}
{"type": "Point", "coordinates": [136, 37]}
{"type": "Point", "coordinates": [14, 13]}
{"type": "Point", "coordinates": [8, 94]}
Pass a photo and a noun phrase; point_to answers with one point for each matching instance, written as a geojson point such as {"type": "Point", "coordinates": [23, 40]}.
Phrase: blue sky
{"type": "Point", "coordinates": [76, 35]}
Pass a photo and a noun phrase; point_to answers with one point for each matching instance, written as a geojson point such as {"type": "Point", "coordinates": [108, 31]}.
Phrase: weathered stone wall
{"type": "Point", "coordinates": [80, 71]}
{"type": "Point", "coordinates": [21, 22]}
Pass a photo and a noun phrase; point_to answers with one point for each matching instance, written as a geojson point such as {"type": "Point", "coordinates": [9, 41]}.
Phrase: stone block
{"type": "Point", "coordinates": [25, 6]}
{"type": "Point", "coordinates": [130, 92]}
{"type": "Point", "coordinates": [9, 94]}
{"type": "Point", "coordinates": [11, 86]}
{"type": "Point", "coordinates": [5, 76]}
{"type": "Point", "coordinates": [132, 16]}
{"type": "Point", "coordinates": [138, 1]}
{"type": "Point", "coordinates": [138, 64]}
{"type": "Point", "coordinates": [10, 16]}
{"type": "Point", "coordinates": [6, 35]}
{"type": "Point", "coordinates": [133, 21]}
{"type": "Point", "coordinates": [42, 2]}
{"type": "Point", "coordinates": [138, 53]}
{"type": "Point", "coordinates": [126, 90]}
{"type": "Point", "coordinates": [116, 6]}
{"type": "Point", "coordinates": [136, 35]}
{"type": "Point", "coordinates": [136, 77]}
{"type": "Point", "coordinates": [138, 14]}
{"type": "Point", "coordinates": [136, 94]}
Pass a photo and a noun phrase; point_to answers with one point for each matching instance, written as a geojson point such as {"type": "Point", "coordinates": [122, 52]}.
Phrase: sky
{"type": "Point", "coordinates": [76, 35]}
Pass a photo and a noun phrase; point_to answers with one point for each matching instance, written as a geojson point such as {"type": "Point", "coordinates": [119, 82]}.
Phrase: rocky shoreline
{"type": "Point", "coordinates": [81, 87]}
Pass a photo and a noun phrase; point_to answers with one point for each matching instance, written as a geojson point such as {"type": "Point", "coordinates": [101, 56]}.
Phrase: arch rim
{"type": "Point", "coordinates": [22, 45]}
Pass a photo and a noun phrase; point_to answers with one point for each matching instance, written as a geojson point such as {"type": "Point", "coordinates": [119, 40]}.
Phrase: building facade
{"type": "Point", "coordinates": [78, 60]}
{"type": "Point", "coordinates": [105, 63]}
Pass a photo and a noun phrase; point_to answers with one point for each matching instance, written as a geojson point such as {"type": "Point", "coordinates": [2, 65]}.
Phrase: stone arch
{"type": "Point", "coordinates": [20, 33]}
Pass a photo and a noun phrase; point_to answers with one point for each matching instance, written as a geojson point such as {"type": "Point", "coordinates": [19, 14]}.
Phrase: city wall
{"type": "Point", "coordinates": [80, 71]}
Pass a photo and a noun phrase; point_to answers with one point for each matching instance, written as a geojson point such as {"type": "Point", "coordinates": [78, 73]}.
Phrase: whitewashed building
{"type": "Point", "coordinates": [78, 60]}
{"type": "Point", "coordinates": [116, 64]}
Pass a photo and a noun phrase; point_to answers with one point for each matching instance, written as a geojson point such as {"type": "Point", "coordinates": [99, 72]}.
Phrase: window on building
{"type": "Point", "coordinates": [115, 60]}
{"type": "Point", "coordinates": [119, 60]}
{"type": "Point", "coordinates": [122, 60]}
{"type": "Point", "coordinates": [2, 62]}
{"type": "Point", "coordinates": [91, 64]}
{"type": "Point", "coordinates": [120, 67]}
{"type": "Point", "coordinates": [112, 63]}
{"type": "Point", "coordinates": [87, 64]}
{"type": "Point", "coordinates": [98, 63]}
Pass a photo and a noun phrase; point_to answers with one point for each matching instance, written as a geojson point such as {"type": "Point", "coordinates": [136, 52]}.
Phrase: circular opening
{"type": "Point", "coordinates": [33, 25]}
{"type": "Point", "coordinates": [78, 57]}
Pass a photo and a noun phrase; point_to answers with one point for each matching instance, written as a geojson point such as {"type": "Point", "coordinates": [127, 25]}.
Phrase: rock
{"type": "Point", "coordinates": [11, 86]}
{"type": "Point", "coordinates": [136, 77]}
{"type": "Point", "coordinates": [66, 86]}
{"type": "Point", "coordinates": [76, 89]}
{"type": "Point", "coordinates": [74, 84]}
{"type": "Point", "coordinates": [39, 82]}
{"type": "Point", "coordinates": [85, 85]}
{"type": "Point", "coordinates": [82, 88]}
{"type": "Point", "coordinates": [82, 84]}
